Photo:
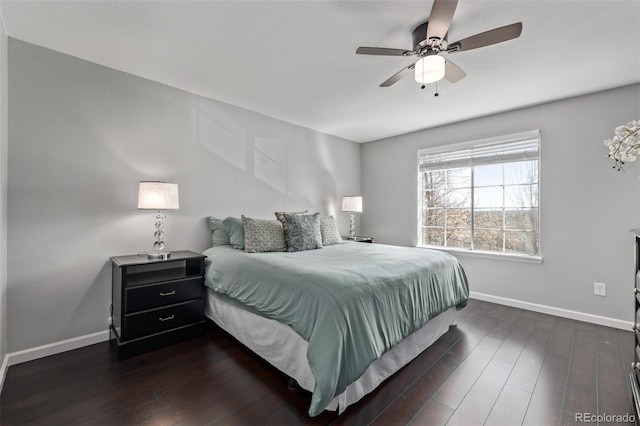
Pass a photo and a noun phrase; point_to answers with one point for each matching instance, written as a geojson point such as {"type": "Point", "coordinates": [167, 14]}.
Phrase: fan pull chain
{"type": "Point", "coordinates": [436, 92]}
{"type": "Point", "coordinates": [424, 85]}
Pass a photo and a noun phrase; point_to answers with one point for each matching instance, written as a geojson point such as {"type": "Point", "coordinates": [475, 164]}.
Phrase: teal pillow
{"type": "Point", "coordinates": [219, 235]}
{"type": "Point", "coordinates": [235, 229]}
{"type": "Point", "coordinates": [304, 231]}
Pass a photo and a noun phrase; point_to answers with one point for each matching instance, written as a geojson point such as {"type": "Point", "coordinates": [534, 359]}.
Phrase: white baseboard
{"type": "Point", "coordinates": [3, 370]}
{"type": "Point", "coordinates": [56, 348]}
{"type": "Point", "coordinates": [550, 310]}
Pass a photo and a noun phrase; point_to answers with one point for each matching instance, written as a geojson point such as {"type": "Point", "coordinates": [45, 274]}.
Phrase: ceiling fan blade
{"type": "Point", "coordinates": [440, 19]}
{"type": "Point", "coordinates": [384, 51]}
{"type": "Point", "coordinates": [397, 76]}
{"type": "Point", "coordinates": [487, 38]}
{"type": "Point", "coordinates": [452, 72]}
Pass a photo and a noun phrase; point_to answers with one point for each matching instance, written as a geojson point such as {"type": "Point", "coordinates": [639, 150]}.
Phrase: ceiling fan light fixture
{"type": "Point", "coordinates": [429, 69]}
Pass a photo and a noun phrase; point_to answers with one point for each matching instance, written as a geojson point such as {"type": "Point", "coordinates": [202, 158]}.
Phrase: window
{"type": "Point", "coordinates": [481, 196]}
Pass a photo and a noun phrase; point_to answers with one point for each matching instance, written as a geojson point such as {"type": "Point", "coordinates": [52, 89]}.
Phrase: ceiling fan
{"type": "Point", "coordinates": [430, 40]}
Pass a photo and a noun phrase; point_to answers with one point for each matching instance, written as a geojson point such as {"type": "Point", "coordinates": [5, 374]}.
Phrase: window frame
{"type": "Point", "coordinates": [531, 134]}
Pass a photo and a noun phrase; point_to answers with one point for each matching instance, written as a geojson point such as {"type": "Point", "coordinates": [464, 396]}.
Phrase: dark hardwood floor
{"type": "Point", "coordinates": [499, 366]}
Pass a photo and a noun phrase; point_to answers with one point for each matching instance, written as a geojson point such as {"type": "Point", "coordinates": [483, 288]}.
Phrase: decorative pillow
{"type": "Point", "coordinates": [285, 227]}
{"type": "Point", "coordinates": [304, 231]}
{"type": "Point", "coordinates": [329, 231]}
{"type": "Point", "coordinates": [235, 229]}
{"type": "Point", "coordinates": [219, 235]}
{"type": "Point", "coordinates": [262, 235]}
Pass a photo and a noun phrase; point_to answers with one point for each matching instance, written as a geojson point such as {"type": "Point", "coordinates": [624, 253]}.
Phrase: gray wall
{"type": "Point", "coordinates": [82, 136]}
{"type": "Point", "coordinates": [3, 196]}
{"type": "Point", "coordinates": [80, 139]}
{"type": "Point", "coordinates": [587, 208]}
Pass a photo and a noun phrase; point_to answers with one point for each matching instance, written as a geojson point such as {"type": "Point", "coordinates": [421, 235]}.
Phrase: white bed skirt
{"type": "Point", "coordinates": [287, 351]}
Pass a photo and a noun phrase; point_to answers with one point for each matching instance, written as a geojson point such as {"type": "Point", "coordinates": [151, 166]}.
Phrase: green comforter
{"type": "Point", "coordinates": [351, 302]}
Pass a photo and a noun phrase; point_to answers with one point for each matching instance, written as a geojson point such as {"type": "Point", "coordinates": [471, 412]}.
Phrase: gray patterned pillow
{"type": "Point", "coordinates": [262, 235]}
{"type": "Point", "coordinates": [285, 227]}
{"type": "Point", "coordinates": [329, 231]}
{"type": "Point", "coordinates": [304, 231]}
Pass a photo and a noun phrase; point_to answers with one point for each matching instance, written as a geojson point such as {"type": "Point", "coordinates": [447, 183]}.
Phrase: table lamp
{"type": "Point", "coordinates": [160, 197]}
{"type": "Point", "coordinates": [352, 204]}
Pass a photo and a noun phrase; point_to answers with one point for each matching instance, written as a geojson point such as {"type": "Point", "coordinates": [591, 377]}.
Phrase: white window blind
{"type": "Point", "coordinates": [519, 147]}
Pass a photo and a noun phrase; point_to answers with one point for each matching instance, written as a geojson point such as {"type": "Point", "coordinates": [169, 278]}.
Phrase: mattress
{"type": "Point", "coordinates": [283, 348]}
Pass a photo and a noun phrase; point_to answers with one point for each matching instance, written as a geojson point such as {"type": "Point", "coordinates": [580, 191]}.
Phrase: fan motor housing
{"type": "Point", "coordinates": [419, 38]}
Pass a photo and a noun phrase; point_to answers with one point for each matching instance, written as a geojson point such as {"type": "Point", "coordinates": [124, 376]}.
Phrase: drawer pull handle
{"type": "Point", "coordinates": [167, 318]}
{"type": "Point", "coordinates": [636, 290]}
{"type": "Point", "coordinates": [635, 365]}
{"type": "Point", "coordinates": [170, 293]}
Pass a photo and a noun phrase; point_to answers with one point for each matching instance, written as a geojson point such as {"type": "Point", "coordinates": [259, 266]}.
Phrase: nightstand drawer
{"type": "Point", "coordinates": [149, 296]}
{"type": "Point", "coordinates": [161, 319]}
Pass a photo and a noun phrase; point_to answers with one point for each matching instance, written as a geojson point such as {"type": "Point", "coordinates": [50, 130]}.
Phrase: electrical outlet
{"type": "Point", "coordinates": [600, 289]}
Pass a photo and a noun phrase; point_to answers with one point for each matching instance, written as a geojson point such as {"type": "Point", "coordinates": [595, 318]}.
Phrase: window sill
{"type": "Point", "coordinates": [487, 254]}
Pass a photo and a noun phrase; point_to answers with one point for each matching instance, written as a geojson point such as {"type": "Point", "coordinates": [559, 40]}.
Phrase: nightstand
{"type": "Point", "coordinates": [155, 303]}
{"type": "Point", "coordinates": [359, 239]}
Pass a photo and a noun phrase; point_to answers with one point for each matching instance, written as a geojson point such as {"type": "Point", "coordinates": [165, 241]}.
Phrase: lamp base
{"type": "Point", "coordinates": [352, 227]}
{"type": "Point", "coordinates": [158, 256]}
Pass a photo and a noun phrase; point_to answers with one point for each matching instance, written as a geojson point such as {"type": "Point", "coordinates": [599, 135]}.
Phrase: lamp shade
{"type": "Point", "coordinates": [158, 196]}
{"type": "Point", "coordinates": [429, 69]}
{"type": "Point", "coordinates": [352, 204]}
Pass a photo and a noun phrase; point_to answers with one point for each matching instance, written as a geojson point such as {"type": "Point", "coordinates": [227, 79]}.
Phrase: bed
{"type": "Point", "coordinates": [338, 320]}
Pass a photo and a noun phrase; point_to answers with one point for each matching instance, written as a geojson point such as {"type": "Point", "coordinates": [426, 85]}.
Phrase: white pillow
{"type": "Point", "coordinates": [329, 231]}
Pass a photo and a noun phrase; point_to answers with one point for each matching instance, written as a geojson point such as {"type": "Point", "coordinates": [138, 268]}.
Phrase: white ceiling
{"type": "Point", "coordinates": [296, 61]}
